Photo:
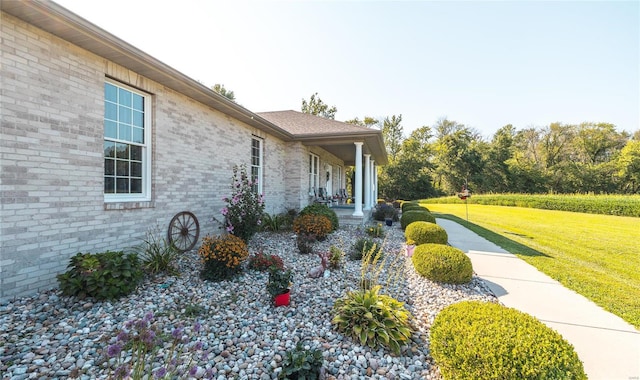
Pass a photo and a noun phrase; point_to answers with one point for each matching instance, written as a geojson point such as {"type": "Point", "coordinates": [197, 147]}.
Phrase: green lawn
{"type": "Point", "coordinates": [597, 256]}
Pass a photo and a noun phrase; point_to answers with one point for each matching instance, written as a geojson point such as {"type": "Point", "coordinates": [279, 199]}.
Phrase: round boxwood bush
{"type": "Point", "coordinates": [425, 232]}
{"type": "Point", "coordinates": [442, 263]}
{"type": "Point", "coordinates": [414, 216]}
{"type": "Point", "coordinates": [414, 206]}
{"type": "Point", "coordinates": [405, 204]}
{"type": "Point", "coordinates": [482, 340]}
{"type": "Point", "coordinates": [324, 210]}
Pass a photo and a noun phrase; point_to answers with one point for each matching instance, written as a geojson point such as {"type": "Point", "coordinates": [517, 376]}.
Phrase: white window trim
{"type": "Point", "coordinates": [261, 159]}
{"type": "Point", "coordinates": [145, 196]}
{"type": "Point", "coordinates": [314, 176]}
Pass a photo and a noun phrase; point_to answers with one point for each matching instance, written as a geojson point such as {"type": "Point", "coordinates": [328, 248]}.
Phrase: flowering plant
{"type": "Point", "coordinates": [243, 213]}
{"type": "Point", "coordinates": [144, 341]}
{"type": "Point", "coordinates": [262, 261]}
{"type": "Point", "coordinates": [222, 256]}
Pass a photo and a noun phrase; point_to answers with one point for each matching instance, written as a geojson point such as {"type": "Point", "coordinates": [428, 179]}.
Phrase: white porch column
{"type": "Point", "coordinates": [367, 182]}
{"type": "Point", "coordinates": [358, 184]}
{"type": "Point", "coordinates": [375, 183]}
{"type": "Point", "coordinates": [374, 198]}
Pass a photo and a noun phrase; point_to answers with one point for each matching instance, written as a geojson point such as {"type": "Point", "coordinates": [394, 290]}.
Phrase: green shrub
{"type": "Point", "coordinates": [305, 242]}
{"type": "Point", "coordinates": [324, 210]}
{"type": "Point", "coordinates": [312, 224]}
{"type": "Point", "coordinates": [103, 276]}
{"type": "Point", "coordinates": [384, 211]}
{"type": "Point", "coordinates": [481, 340]}
{"type": "Point", "coordinates": [414, 206]}
{"type": "Point", "coordinates": [301, 363]}
{"type": "Point", "coordinates": [361, 246]}
{"type": "Point", "coordinates": [222, 256]}
{"type": "Point", "coordinates": [414, 216]}
{"type": "Point", "coordinates": [425, 232]}
{"type": "Point", "coordinates": [442, 263]}
{"type": "Point", "coordinates": [373, 319]}
{"type": "Point", "coordinates": [336, 256]}
{"type": "Point", "coordinates": [406, 204]}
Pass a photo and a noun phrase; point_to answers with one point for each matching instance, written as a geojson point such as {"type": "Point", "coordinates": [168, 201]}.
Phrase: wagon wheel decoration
{"type": "Point", "coordinates": [184, 230]}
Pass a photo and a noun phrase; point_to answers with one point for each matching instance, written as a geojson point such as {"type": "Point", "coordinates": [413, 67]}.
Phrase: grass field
{"type": "Point", "coordinates": [597, 256]}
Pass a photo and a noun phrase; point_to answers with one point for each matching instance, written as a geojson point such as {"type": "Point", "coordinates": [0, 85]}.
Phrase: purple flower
{"type": "Point", "coordinates": [177, 333]}
{"type": "Point", "coordinates": [114, 350]}
{"type": "Point", "coordinates": [148, 337]}
{"type": "Point", "coordinates": [225, 211]}
{"type": "Point", "coordinates": [193, 370]}
{"type": "Point", "coordinates": [197, 346]}
{"type": "Point", "coordinates": [122, 336]}
{"type": "Point", "coordinates": [160, 373]}
{"type": "Point", "coordinates": [230, 229]}
{"type": "Point", "coordinates": [122, 372]}
{"type": "Point", "coordinates": [149, 316]}
{"type": "Point", "coordinates": [197, 326]}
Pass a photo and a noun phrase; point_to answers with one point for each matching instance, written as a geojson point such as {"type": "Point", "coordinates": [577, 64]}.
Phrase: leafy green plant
{"type": "Point", "coordinates": [300, 363]}
{"type": "Point", "coordinates": [245, 208]}
{"type": "Point", "coordinates": [103, 276]}
{"type": "Point", "coordinates": [324, 210]}
{"type": "Point", "coordinates": [482, 340]}
{"type": "Point", "coordinates": [336, 257]}
{"type": "Point", "coordinates": [411, 216]}
{"type": "Point", "coordinates": [312, 224]}
{"type": "Point", "coordinates": [420, 232]}
{"type": "Point", "coordinates": [375, 231]}
{"type": "Point", "coordinates": [372, 318]}
{"type": "Point", "coordinates": [157, 254]}
{"type": "Point", "coordinates": [222, 256]}
{"type": "Point", "coordinates": [261, 261]}
{"type": "Point", "coordinates": [442, 263]}
{"type": "Point", "coordinates": [361, 246]}
{"type": "Point", "coordinates": [276, 222]}
{"type": "Point", "coordinates": [279, 281]}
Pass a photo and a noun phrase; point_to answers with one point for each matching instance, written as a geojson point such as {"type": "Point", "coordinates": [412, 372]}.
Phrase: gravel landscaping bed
{"type": "Point", "coordinates": [243, 336]}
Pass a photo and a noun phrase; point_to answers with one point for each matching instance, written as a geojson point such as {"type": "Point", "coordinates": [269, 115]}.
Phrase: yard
{"type": "Point", "coordinates": [597, 256]}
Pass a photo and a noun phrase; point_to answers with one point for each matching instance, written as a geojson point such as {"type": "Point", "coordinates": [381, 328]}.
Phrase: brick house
{"type": "Point", "coordinates": [101, 142]}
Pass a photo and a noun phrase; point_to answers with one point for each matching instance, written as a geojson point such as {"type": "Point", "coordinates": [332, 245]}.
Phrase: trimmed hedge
{"type": "Point", "coordinates": [324, 210]}
{"type": "Point", "coordinates": [415, 216]}
{"type": "Point", "coordinates": [414, 206]}
{"type": "Point", "coordinates": [442, 263]}
{"type": "Point", "coordinates": [482, 340]}
{"type": "Point", "coordinates": [405, 204]}
{"type": "Point", "coordinates": [425, 232]}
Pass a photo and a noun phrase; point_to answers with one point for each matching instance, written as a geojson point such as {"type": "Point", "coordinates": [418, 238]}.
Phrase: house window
{"type": "Point", "coordinates": [256, 164]}
{"type": "Point", "coordinates": [314, 168]}
{"type": "Point", "coordinates": [127, 148]}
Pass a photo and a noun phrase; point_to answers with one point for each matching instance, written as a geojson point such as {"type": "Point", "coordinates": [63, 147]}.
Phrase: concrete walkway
{"type": "Point", "coordinates": [608, 346]}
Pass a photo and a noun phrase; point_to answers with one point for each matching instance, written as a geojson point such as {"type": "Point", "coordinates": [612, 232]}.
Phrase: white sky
{"type": "Point", "coordinates": [484, 64]}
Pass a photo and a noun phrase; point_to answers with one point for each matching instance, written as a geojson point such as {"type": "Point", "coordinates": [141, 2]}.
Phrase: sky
{"type": "Point", "coordinates": [484, 64]}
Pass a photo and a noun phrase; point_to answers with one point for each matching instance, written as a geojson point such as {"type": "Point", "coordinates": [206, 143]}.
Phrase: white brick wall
{"type": "Point", "coordinates": [51, 181]}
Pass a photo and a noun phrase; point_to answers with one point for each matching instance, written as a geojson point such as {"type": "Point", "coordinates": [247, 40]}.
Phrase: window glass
{"type": "Point", "coordinates": [126, 155]}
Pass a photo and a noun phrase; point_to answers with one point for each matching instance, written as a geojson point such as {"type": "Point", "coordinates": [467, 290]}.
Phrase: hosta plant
{"type": "Point", "coordinates": [373, 319]}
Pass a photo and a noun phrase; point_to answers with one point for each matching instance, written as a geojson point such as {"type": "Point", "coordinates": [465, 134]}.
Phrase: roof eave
{"type": "Point", "coordinates": [60, 22]}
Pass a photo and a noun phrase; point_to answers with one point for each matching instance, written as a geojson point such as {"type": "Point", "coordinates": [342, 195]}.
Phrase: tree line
{"type": "Point", "coordinates": [558, 158]}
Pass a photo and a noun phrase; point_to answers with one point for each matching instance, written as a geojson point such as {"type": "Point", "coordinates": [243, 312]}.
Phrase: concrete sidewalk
{"type": "Point", "coordinates": [608, 346]}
